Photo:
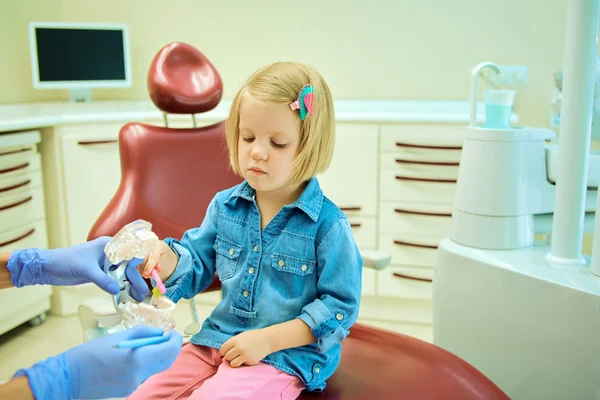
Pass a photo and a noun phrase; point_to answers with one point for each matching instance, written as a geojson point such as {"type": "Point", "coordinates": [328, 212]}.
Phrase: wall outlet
{"type": "Point", "coordinates": [511, 75]}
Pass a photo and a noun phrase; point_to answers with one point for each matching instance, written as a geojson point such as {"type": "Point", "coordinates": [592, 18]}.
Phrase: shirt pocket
{"type": "Point", "coordinates": [292, 264]}
{"type": "Point", "coordinates": [228, 254]}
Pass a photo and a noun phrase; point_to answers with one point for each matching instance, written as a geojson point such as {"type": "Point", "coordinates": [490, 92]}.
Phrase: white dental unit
{"type": "Point", "coordinates": [524, 313]}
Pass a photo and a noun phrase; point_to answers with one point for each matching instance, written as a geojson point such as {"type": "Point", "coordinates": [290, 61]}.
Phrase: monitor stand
{"type": "Point", "coordinates": [82, 95]}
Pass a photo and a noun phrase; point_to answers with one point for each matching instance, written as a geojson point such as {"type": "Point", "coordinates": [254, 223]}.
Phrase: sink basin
{"type": "Point", "coordinates": [593, 177]}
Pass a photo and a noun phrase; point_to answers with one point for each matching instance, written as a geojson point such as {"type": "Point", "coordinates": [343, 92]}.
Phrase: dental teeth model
{"type": "Point", "coordinates": [133, 240]}
{"type": "Point", "coordinates": [159, 314]}
{"type": "Point", "coordinates": [136, 240]}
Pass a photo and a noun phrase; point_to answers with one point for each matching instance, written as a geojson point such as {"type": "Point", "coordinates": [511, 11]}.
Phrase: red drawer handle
{"type": "Point", "coordinates": [93, 142]}
{"type": "Point", "coordinates": [355, 225]}
{"type": "Point", "coordinates": [16, 204]}
{"type": "Point", "coordinates": [13, 187]}
{"type": "Point", "coordinates": [14, 152]}
{"type": "Point", "coordinates": [423, 146]}
{"type": "Point", "coordinates": [401, 211]}
{"type": "Point", "coordinates": [421, 245]}
{"type": "Point", "coordinates": [12, 169]}
{"type": "Point", "coordinates": [11, 241]}
{"type": "Point", "coordinates": [350, 208]}
{"type": "Point", "coordinates": [438, 163]}
{"type": "Point", "coordinates": [437, 180]}
{"type": "Point", "coordinates": [414, 278]}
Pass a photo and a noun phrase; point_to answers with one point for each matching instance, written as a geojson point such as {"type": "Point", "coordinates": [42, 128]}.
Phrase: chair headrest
{"type": "Point", "coordinates": [181, 80]}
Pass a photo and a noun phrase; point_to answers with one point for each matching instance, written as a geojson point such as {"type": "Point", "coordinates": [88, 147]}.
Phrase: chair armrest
{"type": "Point", "coordinates": [375, 259]}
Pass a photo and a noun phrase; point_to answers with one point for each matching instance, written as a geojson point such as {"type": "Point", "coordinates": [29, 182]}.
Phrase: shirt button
{"type": "Point", "coordinates": [303, 268]}
{"type": "Point", "coordinates": [281, 263]}
{"type": "Point", "coordinates": [216, 245]}
{"type": "Point", "coordinates": [251, 271]}
{"type": "Point", "coordinates": [255, 248]}
{"type": "Point", "coordinates": [245, 293]}
{"type": "Point", "coordinates": [231, 251]}
{"type": "Point", "coordinates": [339, 317]}
{"type": "Point", "coordinates": [317, 370]}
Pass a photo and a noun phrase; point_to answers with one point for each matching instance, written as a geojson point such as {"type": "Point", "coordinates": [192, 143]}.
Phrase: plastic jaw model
{"type": "Point", "coordinates": [136, 240]}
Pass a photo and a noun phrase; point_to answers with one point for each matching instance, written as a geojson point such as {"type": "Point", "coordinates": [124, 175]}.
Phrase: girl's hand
{"type": "Point", "coordinates": [248, 348]}
{"type": "Point", "coordinates": [163, 259]}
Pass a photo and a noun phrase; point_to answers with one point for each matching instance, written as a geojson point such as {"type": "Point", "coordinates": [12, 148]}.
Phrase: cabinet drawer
{"type": "Point", "coordinates": [23, 158]}
{"type": "Point", "coordinates": [25, 304]}
{"type": "Point", "coordinates": [396, 310]}
{"type": "Point", "coordinates": [18, 181]}
{"type": "Point", "coordinates": [369, 279]}
{"type": "Point", "coordinates": [26, 206]}
{"type": "Point", "coordinates": [420, 168]}
{"type": "Point", "coordinates": [11, 142]}
{"type": "Point", "coordinates": [351, 180]}
{"type": "Point", "coordinates": [28, 235]}
{"type": "Point", "coordinates": [419, 189]}
{"type": "Point", "coordinates": [425, 140]}
{"type": "Point", "coordinates": [410, 250]}
{"type": "Point", "coordinates": [415, 219]}
{"type": "Point", "coordinates": [364, 230]}
{"type": "Point", "coordinates": [101, 131]}
{"type": "Point", "coordinates": [416, 330]}
{"type": "Point", "coordinates": [406, 282]}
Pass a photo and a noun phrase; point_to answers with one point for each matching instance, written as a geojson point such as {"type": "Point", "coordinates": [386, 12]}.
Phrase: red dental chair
{"type": "Point", "coordinates": [170, 175]}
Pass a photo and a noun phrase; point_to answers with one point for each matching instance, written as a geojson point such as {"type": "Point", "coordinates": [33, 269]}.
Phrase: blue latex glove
{"type": "Point", "coordinates": [97, 370]}
{"type": "Point", "coordinates": [71, 266]}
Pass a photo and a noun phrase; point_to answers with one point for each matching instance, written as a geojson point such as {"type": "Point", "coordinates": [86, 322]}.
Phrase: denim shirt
{"type": "Point", "coordinates": [303, 264]}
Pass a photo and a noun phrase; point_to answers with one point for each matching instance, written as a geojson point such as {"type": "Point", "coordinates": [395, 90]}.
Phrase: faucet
{"type": "Point", "coordinates": [474, 80]}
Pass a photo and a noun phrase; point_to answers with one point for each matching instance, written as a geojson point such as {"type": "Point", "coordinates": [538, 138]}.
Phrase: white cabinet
{"type": "Point", "coordinates": [351, 180]}
{"type": "Point", "coordinates": [351, 183]}
{"type": "Point", "coordinates": [83, 173]}
{"type": "Point", "coordinates": [92, 171]}
{"type": "Point", "coordinates": [418, 167]}
{"type": "Point", "coordinates": [82, 168]}
{"type": "Point", "coordinates": [22, 221]}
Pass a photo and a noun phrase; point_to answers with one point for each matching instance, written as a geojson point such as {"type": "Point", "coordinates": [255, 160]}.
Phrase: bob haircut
{"type": "Point", "coordinates": [280, 83]}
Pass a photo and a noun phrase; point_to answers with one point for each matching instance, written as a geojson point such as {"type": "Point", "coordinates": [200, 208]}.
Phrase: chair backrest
{"type": "Point", "coordinates": [169, 176]}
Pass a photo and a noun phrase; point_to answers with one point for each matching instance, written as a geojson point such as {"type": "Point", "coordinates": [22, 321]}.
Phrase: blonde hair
{"type": "Point", "coordinates": [280, 83]}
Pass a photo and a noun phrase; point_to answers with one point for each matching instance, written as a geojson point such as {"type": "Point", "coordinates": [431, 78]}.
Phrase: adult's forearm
{"type": "Point", "coordinates": [4, 274]}
{"type": "Point", "coordinates": [17, 389]}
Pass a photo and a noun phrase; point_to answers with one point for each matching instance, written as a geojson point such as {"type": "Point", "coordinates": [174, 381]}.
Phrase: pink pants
{"type": "Point", "coordinates": [201, 373]}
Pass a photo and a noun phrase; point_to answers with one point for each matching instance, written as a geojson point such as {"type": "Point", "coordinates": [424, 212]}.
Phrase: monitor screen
{"type": "Point", "coordinates": [77, 55]}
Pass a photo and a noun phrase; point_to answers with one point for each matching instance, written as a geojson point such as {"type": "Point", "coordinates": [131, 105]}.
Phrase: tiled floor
{"type": "Point", "coordinates": [25, 345]}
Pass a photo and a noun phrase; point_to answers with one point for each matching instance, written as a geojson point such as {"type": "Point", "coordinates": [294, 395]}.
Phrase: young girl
{"type": "Point", "coordinates": [289, 267]}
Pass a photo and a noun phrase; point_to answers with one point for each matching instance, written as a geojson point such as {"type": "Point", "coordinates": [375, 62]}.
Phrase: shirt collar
{"type": "Point", "coordinates": [310, 201]}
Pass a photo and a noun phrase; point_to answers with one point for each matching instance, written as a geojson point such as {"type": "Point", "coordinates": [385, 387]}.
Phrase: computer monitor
{"type": "Point", "coordinates": [79, 57]}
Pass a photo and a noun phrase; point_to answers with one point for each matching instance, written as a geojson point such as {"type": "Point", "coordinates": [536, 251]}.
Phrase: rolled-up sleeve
{"type": "Point", "coordinates": [196, 265]}
{"type": "Point", "coordinates": [339, 282]}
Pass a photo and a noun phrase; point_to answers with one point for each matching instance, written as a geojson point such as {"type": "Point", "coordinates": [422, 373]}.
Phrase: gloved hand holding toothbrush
{"type": "Point", "coordinates": [71, 266]}
{"type": "Point", "coordinates": [99, 369]}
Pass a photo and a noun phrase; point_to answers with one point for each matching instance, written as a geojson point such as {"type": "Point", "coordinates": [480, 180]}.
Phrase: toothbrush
{"type": "Point", "coordinates": [135, 343]}
{"type": "Point", "coordinates": [160, 289]}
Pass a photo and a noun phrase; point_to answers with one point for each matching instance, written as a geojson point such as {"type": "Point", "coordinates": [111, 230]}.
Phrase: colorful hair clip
{"type": "Point", "coordinates": [304, 102]}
